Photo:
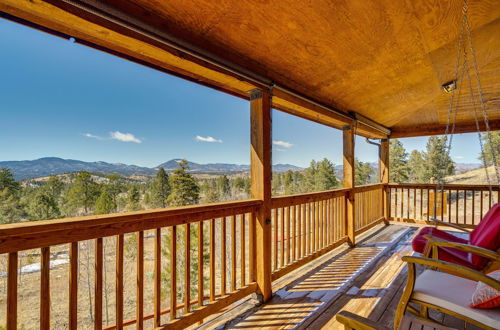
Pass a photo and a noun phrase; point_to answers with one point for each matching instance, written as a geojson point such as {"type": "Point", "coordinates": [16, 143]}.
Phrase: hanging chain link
{"type": "Point", "coordinates": [482, 103]}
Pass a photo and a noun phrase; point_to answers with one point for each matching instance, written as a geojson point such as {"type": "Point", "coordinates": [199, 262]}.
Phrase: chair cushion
{"type": "Point", "coordinates": [486, 235]}
{"type": "Point", "coordinates": [446, 254]}
{"type": "Point", "coordinates": [452, 293]}
{"type": "Point", "coordinates": [485, 296]}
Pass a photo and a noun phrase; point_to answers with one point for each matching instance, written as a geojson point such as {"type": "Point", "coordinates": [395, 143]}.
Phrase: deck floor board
{"type": "Point", "coordinates": [367, 280]}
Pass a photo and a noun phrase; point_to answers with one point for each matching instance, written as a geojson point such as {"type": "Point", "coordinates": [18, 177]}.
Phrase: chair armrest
{"type": "Point", "coordinates": [455, 270]}
{"type": "Point", "coordinates": [442, 223]}
{"type": "Point", "coordinates": [436, 242]}
{"type": "Point", "coordinates": [353, 321]}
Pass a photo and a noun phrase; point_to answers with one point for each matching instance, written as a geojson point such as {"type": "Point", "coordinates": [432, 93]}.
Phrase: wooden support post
{"type": "Point", "coordinates": [384, 177]}
{"type": "Point", "coordinates": [260, 173]}
{"type": "Point", "coordinates": [348, 138]}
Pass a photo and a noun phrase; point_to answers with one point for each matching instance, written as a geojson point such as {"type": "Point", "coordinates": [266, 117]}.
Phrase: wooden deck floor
{"type": "Point", "coordinates": [367, 280]}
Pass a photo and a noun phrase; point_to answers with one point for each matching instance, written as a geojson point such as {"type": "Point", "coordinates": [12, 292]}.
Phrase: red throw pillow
{"type": "Point", "coordinates": [485, 296]}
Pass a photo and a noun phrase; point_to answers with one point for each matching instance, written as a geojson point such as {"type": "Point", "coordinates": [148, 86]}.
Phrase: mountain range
{"type": "Point", "coordinates": [30, 169]}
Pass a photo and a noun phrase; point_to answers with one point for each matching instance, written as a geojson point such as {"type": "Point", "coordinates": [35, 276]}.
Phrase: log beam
{"type": "Point", "coordinates": [260, 173]}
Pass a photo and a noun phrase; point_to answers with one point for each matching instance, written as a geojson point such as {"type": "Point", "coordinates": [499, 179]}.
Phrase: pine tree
{"type": "Point", "coordinates": [210, 191]}
{"type": "Point", "coordinates": [185, 190]}
{"type": "Point", "coordinates": [10, 207]}
{"type": "Point", "coordinates": [83, 192]}
{"type": "Point", "coordinates": [104, 204]}
{"type": "Point", "coordinates": [398, 162]}
{"type": "Point", "coordinates": [43, 206]}
{"type": "Point", "coordinates": [490, 147]}
{"type": "Point", "coordinates": [160, 189]}
{"type": "Point", "coordinates": [416, 165]}
{"type": "Point", "coordinates": [114, 187]}
{"type": "Point", "coordinates": [362, 173]}
{"type": "Point", "coordinates": [325, 178]}
{"type": "Point", "coordinates": [223, 186]}
{"type": "Point", "coordinates": [134, 199]}
{"type": "Point", "coordinates": [54, 187]}
{"type": "Point", "coordinates": [437, 162]}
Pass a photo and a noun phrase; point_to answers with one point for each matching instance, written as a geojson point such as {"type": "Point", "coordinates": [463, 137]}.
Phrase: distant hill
{"type": "Point", "coordinates": [476, 176]}
{"type": "Point", "coordinates": [30, 169]}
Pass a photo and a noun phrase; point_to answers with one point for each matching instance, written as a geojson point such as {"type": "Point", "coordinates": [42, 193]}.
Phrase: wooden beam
{"type": "Point", "coordinates": [260, 173]}
{"type": "Point", "coordinates": [426, 130]}
{"type": "Point", "coordinates": [348, 146]}
{"type": "Point", "coordinates": [384, 174]}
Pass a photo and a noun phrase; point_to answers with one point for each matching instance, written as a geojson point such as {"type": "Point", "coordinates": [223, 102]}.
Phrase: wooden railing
{"type": "Point", "coordinates": [369, 207]}
{"type": "Point", "coordinates": [187, 284]}
{"type": "Point", "coordinates": [460, 204]}
{"type": "Point", "coordinates": [193, 294]}
{"type": "Point", "coordinates": [306, 226]}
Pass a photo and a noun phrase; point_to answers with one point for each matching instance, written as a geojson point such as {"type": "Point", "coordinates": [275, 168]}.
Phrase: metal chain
{"type": "Point", "coordinates": [483, 105]}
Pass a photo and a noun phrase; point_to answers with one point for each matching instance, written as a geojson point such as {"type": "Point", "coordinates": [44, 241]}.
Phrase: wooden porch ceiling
{"type": "Point", "coordinates": [385, 60]}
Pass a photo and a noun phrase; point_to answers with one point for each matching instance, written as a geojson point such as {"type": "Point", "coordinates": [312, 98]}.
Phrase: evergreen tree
{"type": "Point", "coordinates": [223, 186]}
{"type": "Point", "coordinates": [437, 162]}
{"type": "Point", "coordinates": [160, 189]}
{"type": "Point", "coordinates": [104, 204]}
{"type": "Point", "coordinates": [325, 178]}
{"type": "Point", "coordinates": [10, 207]}
{"type": "Point", "coordinates": [134, 199]}
{"type": "Point", "coordinates": [416, 164]}
{"type": "Point", "coordinates": [490, 147]}
{"type": "Point", "coordinates": [7, 181]}
{"type": "Point", "coordinates": [54, 187]}
{"type": "Point", "coordinates": [43, 206]}
{"type": "Point", "coordinates": [362, 173]}
{"type": "Point", "coordinates": [398, 162]}
{"type": "Point", "coordinates": [114, 187]}
{"type": "Point", "coordinates": [185, 190]}
{"type": "Point", "coordinates": [83, 192]}
{"type": "Point", "coordinates": [210, 191]}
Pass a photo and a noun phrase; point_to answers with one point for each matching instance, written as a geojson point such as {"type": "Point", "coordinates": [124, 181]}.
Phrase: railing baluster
{"type": "Point", "coordinates": [173, 272]}
{"type": "Point", "coordinates": [201, 283]}
{"type": "Point", "coordinates": [73, 286]}
{"type": "Point", "coordinates": [465, 207]}
{"type": "Point", "coordinates": [157, 278]}
{"type": "Point", "coordinates": [457, 201]}
{"type": "Point", "coordinates": [252, 257]}
{"type": "Point", "coordinates": [212, 260]}
{"type": "Point", "coordinates": [242, 250]}
{"type": "Point", "coordinates": [233, 253]}
{"type": "Point", "coordinates": [99, 264]}
{"type": "Point", "coordinates": [187, 268]}
{"type": "Point", "coordinates": [45, 289]}
{"type": "Point", "coordinates": [293, 233]}
{"type": "Point", "coordinates": [282, 242]}
{"type": "Point", "coordinates": [473, 206]}
{"type": "Point", "coordinates": [288, 241]}
{"type": "Point", "coordinates": [119, 281]}
{"type": "Point", "coordinates": [304, 229]}
{"type": "Point", "coordinates": [223, 257]}
{"type": "Point", "coordinates": [12, 291]}
{"type": "Point", "coordinates": [300, 230]}
{"type": "Point", "coordinates": [275, 240]}
{"type": "Point", "coordinates": [449, 205]}
{"type": "Point", "coordinates": [140, 281]}
{"type": "Point", "coordinates": [481, 197]}
{"type": "Point", "coordinates": [396, 203]}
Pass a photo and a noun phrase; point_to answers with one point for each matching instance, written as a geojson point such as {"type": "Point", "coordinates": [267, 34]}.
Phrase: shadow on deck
{"type": "Point", "coordinates": [367, 280]}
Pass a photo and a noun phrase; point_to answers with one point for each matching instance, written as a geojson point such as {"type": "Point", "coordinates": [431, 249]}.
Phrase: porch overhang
{"type": "Point", "coordinates": [378, 65]}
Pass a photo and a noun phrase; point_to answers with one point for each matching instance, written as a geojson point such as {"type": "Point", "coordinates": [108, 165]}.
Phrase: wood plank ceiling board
{"type": "Point", "coordinates": [385, 60]}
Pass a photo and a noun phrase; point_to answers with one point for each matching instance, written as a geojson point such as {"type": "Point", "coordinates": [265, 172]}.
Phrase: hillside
{"type": "Point", "coordinates": [477, 176]}
{"type": "Point", "coordinates": [30, 169]}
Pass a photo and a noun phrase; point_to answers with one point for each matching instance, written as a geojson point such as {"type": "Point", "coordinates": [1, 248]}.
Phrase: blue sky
{"type": "Point", "coordinates": [62, 99]}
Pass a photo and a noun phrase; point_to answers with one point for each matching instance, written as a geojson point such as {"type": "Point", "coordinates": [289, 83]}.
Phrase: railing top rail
{"type": "Point", "coordinates": [367, 187]}
{"type": "Point", "coordinates": [452, 186]}
{"type": "Point", "coordinates": [289, 200]}
{"type": "Point", "coordinates": [30, 235]}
